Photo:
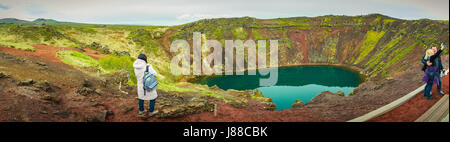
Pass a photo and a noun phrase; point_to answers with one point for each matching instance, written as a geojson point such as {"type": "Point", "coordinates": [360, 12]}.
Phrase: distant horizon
{"type": "Point", "coordinates": [176, 12]}
{"type": "Point", "coordinates": [212, 18]}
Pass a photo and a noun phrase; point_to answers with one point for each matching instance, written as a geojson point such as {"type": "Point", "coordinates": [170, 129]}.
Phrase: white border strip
{"type": "Point", "coordinates": [382, 110]}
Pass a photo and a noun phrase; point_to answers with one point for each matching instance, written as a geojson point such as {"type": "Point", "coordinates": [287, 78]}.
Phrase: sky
{"type": "Point", "coordinates": [175, 12]}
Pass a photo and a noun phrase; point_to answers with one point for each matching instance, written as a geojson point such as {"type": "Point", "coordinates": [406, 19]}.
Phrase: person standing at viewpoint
{"type": "Point", "coordinates": [140, 67]}
{"type": "Point", "coordinates": [433, 69]}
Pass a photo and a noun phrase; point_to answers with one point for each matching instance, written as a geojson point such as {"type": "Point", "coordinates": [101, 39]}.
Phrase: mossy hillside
{"type": "Point", "coordinates": [397, 56]}
{"type": "Point", "coordinates": [256, 34]}
{"type": "Point", "coordinates": [383, 36]}
{"type": "Point", "coordinates": [370, 41]}
{"type": "Point", "coordinates": [76, 58]}
{"type": "Point", "coordinates": [146, 39]}
{"type": "Point", "coordinates": [240, 33]}
{"type": "Point", "coordinates": [105, 65]}
{"type": "Point", "coordinates": [44, 34]}
{"type": "Point", "coordinates": [384, 50]}
{"type": "Point", "coordinates": [330, 49]}
{"type": "Point", "coordinates": [400, 41]}
{"type": "Point", "coordinates": [132, 39]}
{"type": "Point", "coordinates": [218, 29]}
{"type": "Point", "coordinates": [116, 63]}
{"type": "Point", "coordinates": [19, 46]}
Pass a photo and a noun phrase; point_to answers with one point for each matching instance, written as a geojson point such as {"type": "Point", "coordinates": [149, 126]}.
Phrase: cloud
{"type": "Point", "coordinates": [436, 9]}
{"type": "Point", "coordinates": [194, 17]}
{"type": "Point", "coordinates": [4, 7]}
{"type": "Point", "coordinates": [174, 12]}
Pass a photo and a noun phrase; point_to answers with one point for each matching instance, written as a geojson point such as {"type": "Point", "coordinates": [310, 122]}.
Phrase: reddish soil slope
{"type": "Point", "coordinates": [414, 108]}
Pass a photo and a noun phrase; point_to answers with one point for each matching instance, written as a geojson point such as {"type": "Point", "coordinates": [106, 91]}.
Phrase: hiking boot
{"type": "Point", "coordinates": [430, 98]}
{"type": "Point", "coordinates": [141, 114]}
{"type": "Point", "coordinates": [442, 93]}
{"type": "Point", "coordinates": [153, 113]}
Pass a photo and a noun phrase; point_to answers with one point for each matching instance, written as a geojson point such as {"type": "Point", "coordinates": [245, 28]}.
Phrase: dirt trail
{"type": "Point", "coordinates": [42, 53]}
{"type": "Point", "coordinates": [415, 107]}
{"type": "Point", "coordinates": [48, 53]}
{"type": "Point", "coordinates": [24, 103]}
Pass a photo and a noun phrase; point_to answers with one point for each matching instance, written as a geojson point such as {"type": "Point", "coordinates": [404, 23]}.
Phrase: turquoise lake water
{"type": "Point", "coordinates": [294, 83]}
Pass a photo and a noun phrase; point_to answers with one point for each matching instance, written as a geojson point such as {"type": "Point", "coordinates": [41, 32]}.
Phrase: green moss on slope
{"type": "Point", "coordinates": [115, 63]}
{"type": "Point", "coordinates": [240, 33]}
{"type": "Point", "coordinates": [397, 56]}
{"type": "Point", "coordinates": [17, 46]}
{"type": "Point", "coordinates": [384, 52]}
{"type": "Point", "coordinates": [370, 41]}
{"type": "Point", "coordinates": [76, 58]}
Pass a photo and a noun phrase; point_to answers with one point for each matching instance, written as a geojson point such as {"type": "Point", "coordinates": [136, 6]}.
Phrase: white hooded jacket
{"type": "Point", "coordinates": [139, 69]}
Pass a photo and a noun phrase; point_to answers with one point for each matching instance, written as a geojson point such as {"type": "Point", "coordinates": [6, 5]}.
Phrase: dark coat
{"type": "Point", "coordinates": [432, 59]}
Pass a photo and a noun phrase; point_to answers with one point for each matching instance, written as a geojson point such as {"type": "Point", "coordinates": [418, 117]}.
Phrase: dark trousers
{"type": "Point", "coordinates": [428, 88]}
{"type": "Point", "coordinates": [439, 86]}
{"type": "Point", "coordinates": [429, 85]}
{"type": "Point", "coordinates": [151, 105]}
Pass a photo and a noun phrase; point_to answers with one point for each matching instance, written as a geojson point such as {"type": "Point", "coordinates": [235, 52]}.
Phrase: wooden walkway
{"type": "Point", "coordinates": [437, 112]}
{"type": "Point", "coordinates": [434, 115]}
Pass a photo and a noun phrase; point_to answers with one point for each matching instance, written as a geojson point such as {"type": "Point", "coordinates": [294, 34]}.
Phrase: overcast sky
{"type": "Point", "coordinates": [174, 12]}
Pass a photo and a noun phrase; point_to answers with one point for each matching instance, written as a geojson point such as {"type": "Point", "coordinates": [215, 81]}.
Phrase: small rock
{"type": "Point", "coordinates": [236, 104]}
{"type": "Point", "coordinates": [98, 91]}
{"type": "Point", "coordinates": [270, 107]}
{"type": "Point", "coordinates": [63, 114]}
{"type": "Point", "coordinates": [97, 104]}
{"type": "Point", "coordinates": [46, 97]}
{"type": "Point", "coordinates": [340, 93]}
{"type": "Point", "coordinates": [3, 75]}
{"type": "Point", "coordinates": [43, 112]}
{"type": "Point", "coordinates": [44, 85]}
{"type": "Point", "coordinates": [351, 94]}
{"type": "Point", "coordinates": [85, 91]}
{"type": "Point", "coordinates": [100, 116]}
{"type": "Point", "coordinates": [298, 103]}
{"type": "Point", "coordinates": [126, 109]}
{"type": "Point", "coordinates": [41, 63]}
{"type": "Point", "coordinates": [109, 112]}
{"type": "Point", "coordinates": [52, 98]}
{"type": "Point", "coordinates": [26, 82]}
{"type": "Point", "coordinates": [86, 83]}
{"type": "Point", "coordinates": [215, 87]}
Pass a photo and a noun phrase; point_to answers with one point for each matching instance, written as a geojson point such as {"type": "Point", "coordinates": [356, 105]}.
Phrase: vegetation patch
{"type": "Point", "coordinates": [19, 46]}
{"type": "Point", "coordinates": [399, 54]}
{"type": "Point", "coordinates": [76, 58]}
{"type": "Point", "coordinates": [370, 41]}
{"type": "Point", "coordinates": [387, 48]}
{"type": "Point", "coordinates": [115, 63]}
{"type": "Point", "coordinates": [240, 33]}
